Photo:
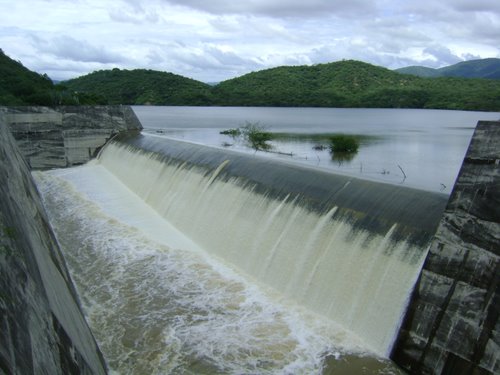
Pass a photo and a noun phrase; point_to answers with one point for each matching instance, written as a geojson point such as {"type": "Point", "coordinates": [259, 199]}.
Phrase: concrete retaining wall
{"type": "Point", "coordinates": [68, 135]}
{"type": "Point", "coordinates": [451, 326]}
{"type": "Point", "coordinates": [42, 328]}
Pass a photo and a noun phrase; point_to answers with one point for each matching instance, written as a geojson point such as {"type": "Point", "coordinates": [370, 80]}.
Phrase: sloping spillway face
{"type": "Point", "coordinates": [344, 248]}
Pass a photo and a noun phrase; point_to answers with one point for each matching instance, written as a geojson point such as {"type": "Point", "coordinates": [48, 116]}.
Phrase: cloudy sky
{"type": "Point", "coordinates": [214, 40]}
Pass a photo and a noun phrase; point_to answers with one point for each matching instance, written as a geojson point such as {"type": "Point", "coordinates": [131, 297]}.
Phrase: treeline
{"type": "Point", "coordinates": [348, 84]}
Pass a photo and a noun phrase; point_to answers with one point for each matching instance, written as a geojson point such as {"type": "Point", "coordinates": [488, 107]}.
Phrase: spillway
{"type": "Point", "coordinates": [347, 250]}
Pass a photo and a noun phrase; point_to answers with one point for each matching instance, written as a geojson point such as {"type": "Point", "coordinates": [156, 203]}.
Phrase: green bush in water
{"type": "Point", "coordinates": [344, 144]}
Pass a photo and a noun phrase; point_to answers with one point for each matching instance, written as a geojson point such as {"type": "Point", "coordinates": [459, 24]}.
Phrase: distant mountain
{"type": "Point", "coordinates": [484, 68]}
{"type": "Point", "coordinates": [355, 84]}
{"type": "Point", "coordinates": [142, 86]}
{"type": "Point", "coordinates": [420, 71]}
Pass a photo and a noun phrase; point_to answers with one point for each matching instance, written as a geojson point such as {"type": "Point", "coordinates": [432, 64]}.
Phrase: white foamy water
{"type": "Point", "coordinates": [158, 304]}
{"type": "Point", "coordinates": [357, 278]}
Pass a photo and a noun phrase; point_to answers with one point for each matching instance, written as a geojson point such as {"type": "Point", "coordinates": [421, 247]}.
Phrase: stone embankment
{"type": "Point", "coordinates": [66, 136]}
{"type": "Point", "coordinates": [451, 326]}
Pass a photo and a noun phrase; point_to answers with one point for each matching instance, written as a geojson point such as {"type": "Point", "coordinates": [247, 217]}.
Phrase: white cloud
{"type": "Point", "coordinates": [68, 48]}
{"type": "Point", "coordinates": [218, 39]}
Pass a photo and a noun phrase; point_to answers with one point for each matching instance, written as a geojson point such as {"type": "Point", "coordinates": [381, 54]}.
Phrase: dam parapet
{"type": "Point", "coordinates": [64, 136]}
{"type": "Point", "coordinates": [43, 330]}
{"type": "Point", "coordinates": [451, 325]}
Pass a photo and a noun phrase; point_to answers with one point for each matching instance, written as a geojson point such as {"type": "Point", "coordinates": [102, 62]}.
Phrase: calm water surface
{"type": "Point", "coordinates": [417, 148]}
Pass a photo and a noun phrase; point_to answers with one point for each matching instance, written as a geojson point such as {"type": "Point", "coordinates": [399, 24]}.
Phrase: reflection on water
{"type": "Point", "coordinates": [428, 145]}
{"type": "Point", "coordinates": [343, 157]}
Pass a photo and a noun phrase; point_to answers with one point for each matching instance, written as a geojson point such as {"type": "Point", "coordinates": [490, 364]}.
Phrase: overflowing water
{"type": "Point", "coordinates": [185, 271]}
{"type": "Point", "coordinates": [158, 304]}
{"type": "Point", "coordinates": [359, 279]}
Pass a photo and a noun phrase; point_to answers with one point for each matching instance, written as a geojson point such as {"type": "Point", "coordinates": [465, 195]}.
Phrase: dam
{"type": "Point", "coordinates": [346, 250]}
{"type": "Point", "coordinates": [199, 260]}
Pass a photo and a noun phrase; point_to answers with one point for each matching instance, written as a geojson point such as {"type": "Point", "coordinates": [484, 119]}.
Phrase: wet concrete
{"type": "Point", "coordinates": [451, 325]}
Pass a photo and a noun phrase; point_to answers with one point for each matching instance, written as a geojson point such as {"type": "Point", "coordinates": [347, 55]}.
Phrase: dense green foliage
{"type": "Point", "coordinates": [344, 144]}
{"type": "Point", "coordinates": [142, 86]}
{"type": "Point", "coordinates": [484, 68]}
{"type": "Point", "coordinates": [341, 84]}
{"type": "Point", "coordinates": [356, 84]}
{"type": "Point", "coordinates": [21, 86]}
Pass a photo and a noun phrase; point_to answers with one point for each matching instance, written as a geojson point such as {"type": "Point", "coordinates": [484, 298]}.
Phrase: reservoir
{"type": "Point", "coordinates": [195, 258]}
{"type": "Point", "coordinates": [428, 145]}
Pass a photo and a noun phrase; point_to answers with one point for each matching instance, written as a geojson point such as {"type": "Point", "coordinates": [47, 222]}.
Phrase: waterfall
{"type": "Point", "coordinates": [346, 249]}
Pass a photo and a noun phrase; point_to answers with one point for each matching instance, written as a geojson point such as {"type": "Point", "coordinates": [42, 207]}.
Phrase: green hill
{"type": "Point", "coordinates": [355, 84]}
{"type": "Point", "coordinates": [340, 84]}
{"type": "Point", "coordinates": [142, 86]}
{"type": "Point", "coordinates": [21, 86]}
{"type": "Point", "coordinates": [484, 68]}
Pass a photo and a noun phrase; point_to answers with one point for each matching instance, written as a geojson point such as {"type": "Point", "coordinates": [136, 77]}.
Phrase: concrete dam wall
{"type": "Point", "coordinates": [67, 135]}
{"type": "Point", "coordinates": [43, 328]}
{"type": "Point", "coordinates": [451, 326]}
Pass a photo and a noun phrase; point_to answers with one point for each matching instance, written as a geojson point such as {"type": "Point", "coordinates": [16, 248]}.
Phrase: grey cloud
{"type": "Point", "coordinates": [133, 12]}
{"type": "Point", "coordinates": [285, 8]}
{"type": "Point", "coordinates": [460, 11]}
{"type": "Point", "coordinates": [69, 48]}
{"type": "Point", "coordinates": [443, 55]}
{"type": "Point", "coordinates": [476, 5]}
{"type": "Point", "coordinates": [135, 5]}
{"type": "Point", "coordinates": [214, 58]}
{"type": "Point", "coordinates": [63, 70]}
{"type": "Point", "coordinates": [214, 64]}
{"type": "Point", "coordinates": [470, 56]}
{"type": "Point", "coordinates": [120, 15]}
{"type": "Point", "coordinates": [488, 29]}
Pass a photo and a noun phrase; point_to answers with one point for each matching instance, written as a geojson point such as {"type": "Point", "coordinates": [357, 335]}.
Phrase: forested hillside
{"type": "Point", "coordinates": [356, 84]}
{"type": "Point", "coordinates": [142, 86]}
{"type": "Point", "coordinates": [21, 86]}
{"type": "Point", "coordinates": [339, 84]}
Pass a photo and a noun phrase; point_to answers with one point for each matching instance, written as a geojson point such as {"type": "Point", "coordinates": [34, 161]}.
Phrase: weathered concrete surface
{"type": "Point", "coordinates": [451, 326]}
{"type": "Point", "coordinates": [65, 136]}
{"type": "Point", "coordinates": [42, 328]}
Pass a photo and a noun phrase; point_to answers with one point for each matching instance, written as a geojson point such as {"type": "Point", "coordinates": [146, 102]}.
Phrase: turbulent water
{"type": "Point", "coordinates": [159, 305]}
